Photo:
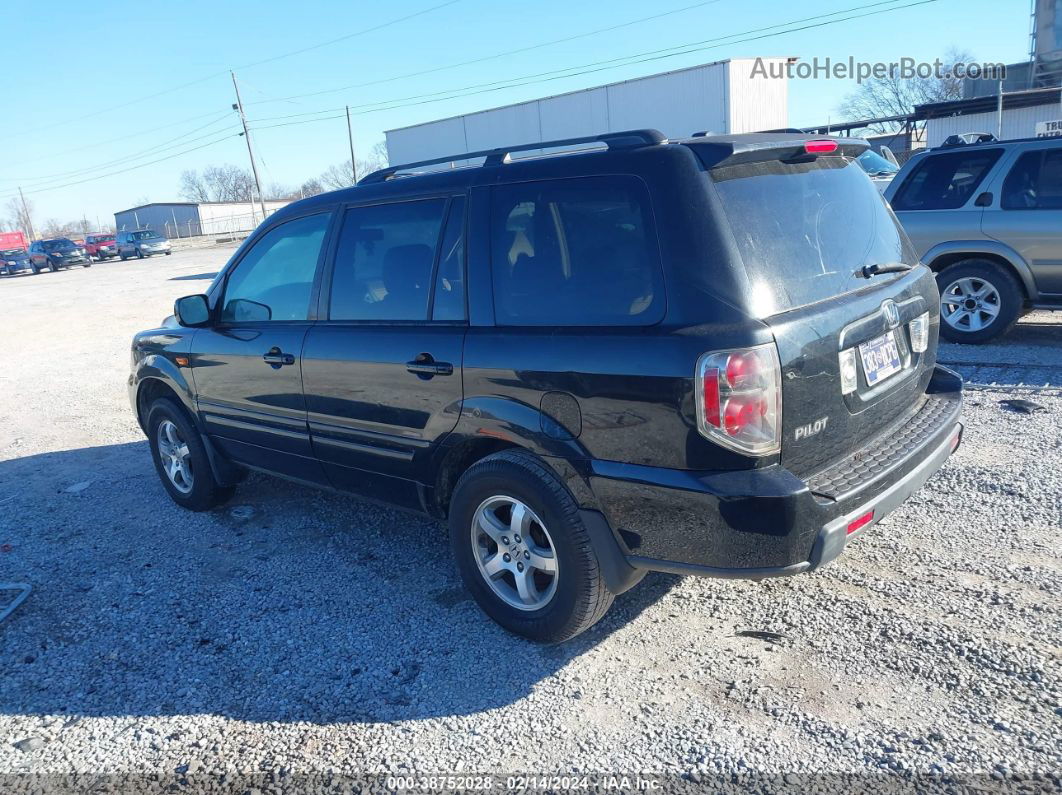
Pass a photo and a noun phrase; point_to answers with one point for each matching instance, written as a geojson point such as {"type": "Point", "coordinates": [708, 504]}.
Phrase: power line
{"type": "Point", "coordinates": [226, 137]}
{"type": "Point", "coordinates": [602, 65]}
{"type": "Point", "coordinates": [271, 59]}
{"type": "Point", "coordinates": [482, 59]}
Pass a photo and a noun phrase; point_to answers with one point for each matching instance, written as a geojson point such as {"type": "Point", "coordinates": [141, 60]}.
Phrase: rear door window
{"type": "Point", "coordinates": [384, 261]}
{"type": "Point", "coordinates": [576, 252]}
{"type": "Point", "coordinates": [803, 230]}
{"type": "Point", "coordinates": [945, 181]}
{"type": "Point", "coordinates": [1035, 182]}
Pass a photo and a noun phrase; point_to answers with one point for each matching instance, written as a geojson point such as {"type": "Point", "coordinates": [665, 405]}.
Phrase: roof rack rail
{"type": "Point", "coordinates": [627, 139]}
{"type": "Point", "coordinates": [967, 139]}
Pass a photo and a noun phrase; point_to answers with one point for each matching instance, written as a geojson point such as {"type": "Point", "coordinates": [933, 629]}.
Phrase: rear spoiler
{"type": "Point", "coordinates": [729, 150]}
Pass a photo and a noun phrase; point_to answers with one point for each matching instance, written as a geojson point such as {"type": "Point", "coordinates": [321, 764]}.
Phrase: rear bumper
{"type": "Point", "coordinates": [768, 522]}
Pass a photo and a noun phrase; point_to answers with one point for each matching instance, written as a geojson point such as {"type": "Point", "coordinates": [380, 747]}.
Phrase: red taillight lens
{"type": "Point", "coordinates": [861, 522]}
{"type": "Point", "coordinates": [740, 400]}
{"type": "Point", "coordinates": [820, 147]}
{"type": "Point", "coordinates": [710, 399]}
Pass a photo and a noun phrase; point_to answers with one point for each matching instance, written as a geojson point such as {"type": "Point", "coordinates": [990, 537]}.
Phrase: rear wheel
{"type": "Point", "coordinates": [53, 267]}
{"type": "Point", "coordinates": [979, 301]}
{"type": "Point", "coordinates": [523, 551]}
{"type": "Point", "coordinates": [181, 459]}
{"type": "Point", "coordinates": [121, 257]}
{"type": "Point", "coordinates": [139, 254]}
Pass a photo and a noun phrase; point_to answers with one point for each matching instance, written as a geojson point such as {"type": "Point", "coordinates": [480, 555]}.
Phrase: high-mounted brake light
{"type": "Point", "coordinates": [820, 147]}
{"type": "Point", "coordinates": [739, 399]}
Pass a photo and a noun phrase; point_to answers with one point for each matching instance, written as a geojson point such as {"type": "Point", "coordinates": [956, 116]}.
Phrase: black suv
{"type": "Point", "coordinates": [713, 356]}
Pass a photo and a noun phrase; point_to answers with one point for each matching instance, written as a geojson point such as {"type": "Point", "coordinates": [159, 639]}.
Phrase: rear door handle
{"type": "Point", "coordinates": [277, 357]}
{"type": "Point", "coordinates": [427, 366]}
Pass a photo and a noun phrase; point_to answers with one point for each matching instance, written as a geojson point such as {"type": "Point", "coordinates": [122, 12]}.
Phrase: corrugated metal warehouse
{"type": "Point", "coordinates": [729, 96]}
{"type": "Point", "coordinates": [1022, 110]}
{"type": "Point", "coordinates": [190, 219]}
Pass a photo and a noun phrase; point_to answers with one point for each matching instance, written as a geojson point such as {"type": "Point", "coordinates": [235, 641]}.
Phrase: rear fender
{"type": "Point", "coordinates": [946, 252]}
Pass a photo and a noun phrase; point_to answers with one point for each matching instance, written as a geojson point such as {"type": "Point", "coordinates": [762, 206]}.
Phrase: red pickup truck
{"type": "Point", "coordinates": [101, 246]}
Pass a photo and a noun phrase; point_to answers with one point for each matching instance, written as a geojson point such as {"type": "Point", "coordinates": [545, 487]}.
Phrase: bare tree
{"type": "Point", "coordinates": [897, 96]}
{"type": "Point", "coordinates": [20, 217]}
{"type": "Point", "coordinates": [277, 192]}
{"type": "Point", "coordinates": [311, 187]}
{"type": "Point", "coordinates": [193, 188]}
{"type": "Point", "coordinates": [53, 227]}
{"type": "Point", "coordinates": [226, 183]}
{"type": "Point", "coordinates": [341, 175]}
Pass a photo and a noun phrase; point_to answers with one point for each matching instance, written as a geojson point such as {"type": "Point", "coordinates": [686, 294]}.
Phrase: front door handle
{"type": "Point", "coordinates": [425, 366]}
{"type": "Point", "coordinates": [276, 357]}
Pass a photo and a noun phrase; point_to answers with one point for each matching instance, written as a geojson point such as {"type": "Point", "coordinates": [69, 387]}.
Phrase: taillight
{"type": "Point", "coordinates": [739, 400]}
{"type": "Point", "coordinates": [920, 333]}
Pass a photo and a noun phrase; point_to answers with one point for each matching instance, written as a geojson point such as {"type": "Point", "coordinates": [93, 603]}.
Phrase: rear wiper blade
{"type": "Point", "coordinates": [890, 267]}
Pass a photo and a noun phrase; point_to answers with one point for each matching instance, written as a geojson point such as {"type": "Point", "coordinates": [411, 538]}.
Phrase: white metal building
{"type": "Point", "coordinates": [191, 219]}
{"type": "Point", "coordinates": [1022, 110]}
{"type": "Point", "coordinates": [732, 96]}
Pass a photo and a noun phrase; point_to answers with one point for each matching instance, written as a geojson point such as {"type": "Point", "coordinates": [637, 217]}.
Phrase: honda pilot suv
{"type": "Point", "coordinates": [986, 217]}
{"type": "Point", "coordinates": [713, 356]}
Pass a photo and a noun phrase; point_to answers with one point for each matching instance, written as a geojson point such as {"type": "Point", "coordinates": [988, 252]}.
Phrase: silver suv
{"type": "Point", "coordinates": [986, 217]}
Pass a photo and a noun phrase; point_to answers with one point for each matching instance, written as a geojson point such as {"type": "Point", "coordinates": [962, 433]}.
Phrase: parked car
{"type": "Point", "coordinates": [880, 170]}
{"type": "Point", "coordinates": [56, 253]}
{"type": "Point", "coordinates": [714, 356]}
{"type": "Point", "coordinates": [986, 217]}
{"type": "Point", "coordinates": [13, 260]}
{"type": "Point", "coordinates": [141, 243]}
{"type": "Point", "coordinates": [101, 246]}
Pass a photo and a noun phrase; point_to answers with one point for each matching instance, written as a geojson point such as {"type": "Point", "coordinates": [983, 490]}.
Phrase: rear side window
{"type": "Point", "coordinates": [384, 261]}
{"type": "Point", "coordinates": [274, 279]}
{"type": "Point", "coordinates": [578, 252]}
{"type": "Point", "coordinates": [945, 181]}
{"type": "Point", "coordinates": [1035, 182]}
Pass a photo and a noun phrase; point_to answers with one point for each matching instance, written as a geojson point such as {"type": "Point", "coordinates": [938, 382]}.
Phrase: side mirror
{"type": "Point", "coordinates": [192, 310]}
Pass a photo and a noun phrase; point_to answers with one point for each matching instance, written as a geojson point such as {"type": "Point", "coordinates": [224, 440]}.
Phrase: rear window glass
{"type": "Point", "coordinates": [945, 181]}
{"type": "Point", "coordinates": [804, 229]}
{"type": "Point", "coordinates": [576, 252]}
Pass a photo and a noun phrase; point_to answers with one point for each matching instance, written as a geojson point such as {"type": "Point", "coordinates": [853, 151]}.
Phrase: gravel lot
{"type": "Point", "coordinates": [293, 633]}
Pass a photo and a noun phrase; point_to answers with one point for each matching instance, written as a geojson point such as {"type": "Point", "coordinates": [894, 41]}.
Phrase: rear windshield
{"type": "Point", "coordinates": [804, 229]}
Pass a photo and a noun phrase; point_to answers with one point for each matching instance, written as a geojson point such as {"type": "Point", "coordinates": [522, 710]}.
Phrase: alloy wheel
{"type": "Point", "coordinates": [175, 456]}
{"type": "Point", "coordinates": [969, 304]}
{"type": "Point", "coordinates": [515, 553]}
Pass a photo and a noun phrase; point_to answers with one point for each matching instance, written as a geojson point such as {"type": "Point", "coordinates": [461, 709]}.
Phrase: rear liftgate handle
{"type": "Point", "coordinates": [425, 366]}
{"type": "Point", "coordinates": [276, 357]}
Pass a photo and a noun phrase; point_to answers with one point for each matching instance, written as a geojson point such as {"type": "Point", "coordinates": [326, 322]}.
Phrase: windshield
{"type": "Point", "coordinates": [99, 238]}
{"type": "Point", "coordinates": [876, 165]}
{"type": "Point", "coordinates": [13, 252]}
{"type": "Point", "coordinates": [146, 236]}
{"type": "Point", "coordinates": [56, 245]}
{"type": "Point", "coordinates": [804, 229]}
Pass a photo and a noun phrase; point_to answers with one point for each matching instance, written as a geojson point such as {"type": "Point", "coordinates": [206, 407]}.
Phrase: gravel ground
{"type": "Point", "coordinates": [292, 633]}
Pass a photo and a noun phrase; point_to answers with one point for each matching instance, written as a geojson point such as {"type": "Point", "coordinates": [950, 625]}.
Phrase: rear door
{"type": "Point", "coordinates": [248, 365]}
{"type": "Point", "coordinates": [804, 231]}
{"type": "Point", "coordinates": [1028, 213]}
{"type": "Point", "coordinates": [382, 372]}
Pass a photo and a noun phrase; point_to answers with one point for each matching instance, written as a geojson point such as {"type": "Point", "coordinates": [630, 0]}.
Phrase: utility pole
{"type": "Point", "coordinates": [26, 212]}
{"type": "Point", "coordinates": [250, 152]}
{"type": "Point", "coordinates": [350, 138]}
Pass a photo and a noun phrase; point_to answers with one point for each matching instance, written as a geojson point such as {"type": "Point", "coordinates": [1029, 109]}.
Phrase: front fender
{"type": "Point", "coordinates": [154, 355]}
{"type": "Point", "coordinates": [986, 246]}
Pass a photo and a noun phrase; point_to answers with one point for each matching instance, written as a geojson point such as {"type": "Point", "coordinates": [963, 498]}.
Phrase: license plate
{"type": "Point", "coordinates": [881, 358]}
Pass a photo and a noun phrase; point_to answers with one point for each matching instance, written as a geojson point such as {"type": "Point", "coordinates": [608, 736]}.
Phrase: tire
{"type": "Point", "coordinates": [168, 253]}
{"type": "Point", "coordinates": [35, 270]}
{"type": "Point", "coordinates": [121, 257]}
{"type": "Point", "coordinates": [576, 591]}
{"type": "Point", "coordinates": [202, 492]}
{"type": "Point", "coordinates": [86, 264]}
{"type": "Point", "coordinates": [139, 254]}
{"type": "Point", "coordinates": [987, 315]}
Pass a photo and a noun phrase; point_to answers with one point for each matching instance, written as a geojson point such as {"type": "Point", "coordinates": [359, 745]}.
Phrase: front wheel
{"type": "Point", "coordinates": [139, 254]}
{"type": "Point", "coordinates": [53, 267]}
{"type": "Point", "coordinates": [979, 301]}
{"type": "Point", "coordinates": [523, 551]}
{"type": "Point", "coordinates": [181, 459]}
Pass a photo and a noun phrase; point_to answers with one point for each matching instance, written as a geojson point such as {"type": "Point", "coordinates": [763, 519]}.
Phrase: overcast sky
{"type": "Point", "coordinates": [79, 76]}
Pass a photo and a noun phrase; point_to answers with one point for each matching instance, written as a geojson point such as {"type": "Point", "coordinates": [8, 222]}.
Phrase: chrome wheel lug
{"type": "Point", "coordinates": [506, 558]}
{"type": "Point", "coordinates": [517, 538]}
{"type": "Point", "coordinates": [519, 566]}
{"type": "Point", "coordinates": [505, 540]}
